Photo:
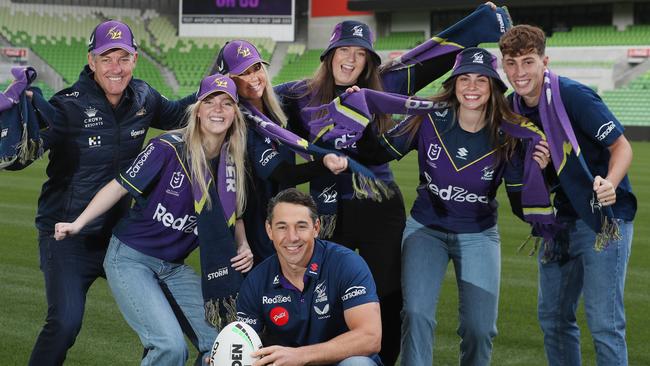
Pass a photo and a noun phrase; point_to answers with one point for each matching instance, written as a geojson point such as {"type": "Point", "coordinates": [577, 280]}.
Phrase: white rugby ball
{"type": "Point", "coordinates": [234, 345]}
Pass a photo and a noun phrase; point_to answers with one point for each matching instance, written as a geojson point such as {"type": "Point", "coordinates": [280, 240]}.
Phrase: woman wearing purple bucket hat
{"type": "Point", "coordinates": [189, 191]}
{"type": "Point", "coordinates": [463, 156]}
{"type": "Point", "coordinates": [272, 164]}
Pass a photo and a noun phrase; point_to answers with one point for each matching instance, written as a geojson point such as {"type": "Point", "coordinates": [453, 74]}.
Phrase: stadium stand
{"type": "Point", "coordinates": [605, 35]}
{"type": "Point", "coordinates": [298, 66]}
{"type": "Point", "coordinates": [399, 41]}
{"type": "Point", "coordinates": [631, 104]}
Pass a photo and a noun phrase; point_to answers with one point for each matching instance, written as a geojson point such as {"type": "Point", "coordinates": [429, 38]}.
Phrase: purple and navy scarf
{"type": "Point", "coordinates": [569, 164]}
{"type": "Point", "coordinates": [350, 114]}
{"type": "Point", "coordinates": [365, 183]}
{"type": "Point", "coordinates": [19, 140]}
{"type": "Point", "coordinates": [481, 26]}
{"type": "Point", "coordinates": [215, 225]}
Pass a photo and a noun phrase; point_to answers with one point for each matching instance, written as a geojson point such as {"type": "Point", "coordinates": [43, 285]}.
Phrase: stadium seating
{"type": "Point", "coordinates": [631, 105]}
{"type": "Point", "coordinates": [298, 65]}
{"type": "Point", "coordinates": [399, 41]}
{"type": "Point", "coordinates": [605, 35]}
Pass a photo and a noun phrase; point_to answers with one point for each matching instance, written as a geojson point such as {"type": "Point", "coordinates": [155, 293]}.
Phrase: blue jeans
{"type": "Point", "coordinates": [425, 255]}
{"type": "Point", "coordinates": [70, 267]}
{"type": "Point", "coordinates": [137, 281]}
{"type": "Point", "coordinates": [600, 276]}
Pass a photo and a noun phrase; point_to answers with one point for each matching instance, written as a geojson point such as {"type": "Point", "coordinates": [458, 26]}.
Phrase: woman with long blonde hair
{"type": "Point", "coordinates": [272, 164]}
{"type": "Point", "coordinates": [189, 190]}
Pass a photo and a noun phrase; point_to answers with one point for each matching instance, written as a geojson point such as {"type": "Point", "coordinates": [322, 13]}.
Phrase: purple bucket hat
{"type": "Point", "coordinates": [352, 33]}
{"type": "Point", "coordinates": [217, 83]}
{"type": "Point", "coordinates": [109, 35]}
{"type": "Point", "coordinates": [475, 60]}
{"type": "Point", "coordinates": [237, 56]}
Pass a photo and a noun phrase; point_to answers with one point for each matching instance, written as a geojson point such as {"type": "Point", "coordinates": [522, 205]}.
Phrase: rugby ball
{"type": "Point", "coordinates": [234, 345]}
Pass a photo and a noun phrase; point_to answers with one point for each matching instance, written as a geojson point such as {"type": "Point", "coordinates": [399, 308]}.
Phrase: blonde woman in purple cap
{"type": "Point", "coordinates": [97, 126]}
{"type": "Point", "coordinates": [272, 164]}
{"type": "Point", "coordinates": [189, 190]}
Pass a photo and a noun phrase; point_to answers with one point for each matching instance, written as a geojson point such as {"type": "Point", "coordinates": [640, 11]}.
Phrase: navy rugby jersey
{"type": "Point", "coordinates": [162, 222]}
{"type": "Point", "coordinates": [336, 279]}
{"type": "Point", "coordinates": [458, 176]}
{"type": "Point", "coordinates": [596, 128]}
{"type": "Point", "coordinates": [264, 157]}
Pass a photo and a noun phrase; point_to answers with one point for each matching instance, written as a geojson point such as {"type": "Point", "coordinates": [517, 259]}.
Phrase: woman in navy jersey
{"type": "Point", "coordinates": [272, 165]}
{"type": "Point", "coordinates": [372, 228]}
{"type": "Point", "coordinates": [178, 180]}
{"type": "Point", "coordinates": [462, 157]}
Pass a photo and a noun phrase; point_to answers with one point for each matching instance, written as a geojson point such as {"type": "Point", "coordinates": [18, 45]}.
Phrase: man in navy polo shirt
{"type": "Point", "coordinates": [315, 300]}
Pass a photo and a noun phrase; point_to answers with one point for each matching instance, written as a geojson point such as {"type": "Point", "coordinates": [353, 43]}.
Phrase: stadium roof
{"type": "Point", "coordinates": [391, 5]}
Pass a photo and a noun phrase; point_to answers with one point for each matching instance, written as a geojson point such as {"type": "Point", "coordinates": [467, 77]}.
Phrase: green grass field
{"type": "Point", "coordinates": [106, 339]}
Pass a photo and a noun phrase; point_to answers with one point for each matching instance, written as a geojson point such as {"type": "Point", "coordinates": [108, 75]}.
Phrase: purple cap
{"type": "Point", "coordinates": [217, 83]}
{"type": "Point", "coordinates": [237, 56]}
{"type": "Point", "coordinates": [352, 33]}
{"type": "Point", "coordinates": [475, 60]}
{"type": "Point", "coordinates": [109, 35]}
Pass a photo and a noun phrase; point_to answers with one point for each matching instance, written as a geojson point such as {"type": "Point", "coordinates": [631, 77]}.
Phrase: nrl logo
{"type": "Point", "coordinates": [221, 82]}
{"type": "Point", "coordinates": [243, 51]}
{"type": "Point", "coordinates": [114, 33]}
{"type": "Point", "coordinates": [90, 112]}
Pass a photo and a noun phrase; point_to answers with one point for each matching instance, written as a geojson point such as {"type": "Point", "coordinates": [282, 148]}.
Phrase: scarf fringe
{"type": "Point", "coordinates": [610, 231]}
{"type": "Point", "coordinates": [327, 226]}
{"type": "Point", "coordinates": [28, 149]}
{"type": "Point", "coordinates": [221, 312]}
{"type": "Point", "coordinates": [533, 250]}
{"type": "Point", "coordinates": [372, 188]}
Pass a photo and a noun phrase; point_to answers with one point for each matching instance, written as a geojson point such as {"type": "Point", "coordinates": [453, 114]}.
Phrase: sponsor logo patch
{"type": "Point", "coordinates": [328, 194]}
{"type": "Point", "coordinates": [218, 273]}
{"type": "Point", "coordinates": [605, 130]}
{"type": "Point", "coordinates": [488, 173]}
{"type": "Point", "coordinates": [267, 155]}
{"type": "Point", "coordinates": [321, 292]}
{"type": "Point", "coordinates": [453, 193]}
{"type": "Point", "coordinates": [277, 299]}
{"type": "Point", "coordinates": [95, 141]}
{"type": "Point", "coordinates": [186, 224]}
{"type": "Point", "coordinates": [353, 292]}
{"type": "Point", "coordinates": [462, 153]}
{"type": "Point", "coordinates": [136, 133]}
{"type": "Point", "coordinates": [4, 133]}
{"type": "Point", "coordinates": [279, 316]}
{"type": "Point", "coordinates": [244, 318]}
{"type": "Point", "coordinates": [141, 159]}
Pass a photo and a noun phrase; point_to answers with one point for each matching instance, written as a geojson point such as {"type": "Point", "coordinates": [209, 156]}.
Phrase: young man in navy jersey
{"type": "Point", "coordinates": [314, 302]}
{"type": "Point", "coordinates": [581, 122]}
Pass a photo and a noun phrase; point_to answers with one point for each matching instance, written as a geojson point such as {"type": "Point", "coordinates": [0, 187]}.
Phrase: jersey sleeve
{"type": "Point", "coordinates": [146, 168]}
{"type": "Point", "coordinates": [399, 140]}
{"type": "Point", "coordinates": [249, 310]}
{"type": "Point", "coordinates": [356, 285]}
{"type": "Point", "coordinates": [590, 114]}
{"type": "Point", "coordinates": [264, 155]}
{"type": "Point", "coordinates": [170, 114]}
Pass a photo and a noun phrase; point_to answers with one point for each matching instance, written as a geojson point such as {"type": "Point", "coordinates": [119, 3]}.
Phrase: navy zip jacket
{"type": "Point", "coordinates": [90, 142]}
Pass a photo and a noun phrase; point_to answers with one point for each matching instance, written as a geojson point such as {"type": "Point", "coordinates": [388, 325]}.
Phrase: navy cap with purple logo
{"type": "Point", "coordinates": [237, 56]}
{"type": "Point", "coordinates": [352, 33]}
{"type": "Point", "coordinates": [475, 60]}
{"type": "Point", "coordinates": [217, 83]}
{"type": "Point", "coordinates": [109, 35]}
